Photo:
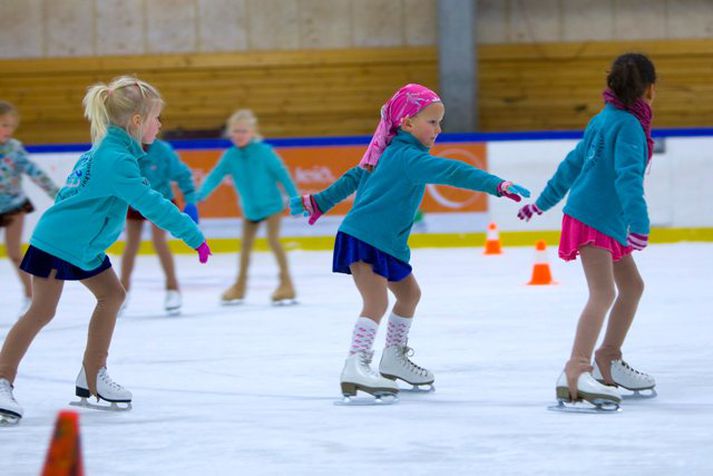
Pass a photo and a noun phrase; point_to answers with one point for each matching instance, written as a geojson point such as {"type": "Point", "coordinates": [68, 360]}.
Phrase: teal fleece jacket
{"type": "Point", "coordinates": [90, 210]}
{"type": "Point", "coordinates": [604, 175]}
{"type": "Point", "coordinates": [256, 170]}
{"type": "Point", "coordinates": [387, 198]}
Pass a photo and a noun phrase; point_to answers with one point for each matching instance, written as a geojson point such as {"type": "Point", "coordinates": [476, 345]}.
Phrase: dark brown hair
{"type": "Point", "coordinates": [630, 75]}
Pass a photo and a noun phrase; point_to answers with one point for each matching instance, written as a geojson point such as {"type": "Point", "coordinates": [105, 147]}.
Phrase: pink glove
{"type": "Point", "coordinates": [203, 252]}
{"type": "Point", "coordinates": [307, 205]}
{"type": "Point", "coordinates": [637, 241]}
{"type": "Point", "coordinates": [512, 191]}
{"type": "Point", "coordinates": [528, 211]}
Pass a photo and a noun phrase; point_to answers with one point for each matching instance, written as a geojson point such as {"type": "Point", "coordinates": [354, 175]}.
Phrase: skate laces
{"type": "Point", "coordinates": [365, 358]}
{"type": "Point", "coordinates": [104, 376]}
{"type": "Point", "coordinates": [631, 369]}
{"type": "Point", "coordinates": [404, 353]}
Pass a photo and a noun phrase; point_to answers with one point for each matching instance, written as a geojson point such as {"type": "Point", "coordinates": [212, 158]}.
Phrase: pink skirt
{"type": "Point", "coordinates": [576, 234]}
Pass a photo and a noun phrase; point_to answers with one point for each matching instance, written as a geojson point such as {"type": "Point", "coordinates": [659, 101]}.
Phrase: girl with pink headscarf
{"type": "Point", "coordinates": [372, 242]}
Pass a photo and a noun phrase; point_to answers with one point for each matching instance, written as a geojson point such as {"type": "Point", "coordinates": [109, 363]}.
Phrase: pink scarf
{"type": "Point", "coordinates": [407, 102]}
{"type": "Point", "coordinates": [640, 109]}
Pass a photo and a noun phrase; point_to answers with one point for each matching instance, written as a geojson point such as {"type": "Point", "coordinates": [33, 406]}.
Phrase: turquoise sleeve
{"type": "Point", "coordinates": [423, 168]}
{"type": "Point", "coordinates": [213, 179]}
{"type": "Point", "coordinates": [281, 174]}
{"type": "Point", "coordinates": [181, 174]}
{"type": "Point", "coordinates": [130, 186]}
{"type": "Point", "coordinates": [339, 190]}
{"type": "Point", "coordinates": [629, 165]}
{"type": "Point", "coordinates": [565, 175]}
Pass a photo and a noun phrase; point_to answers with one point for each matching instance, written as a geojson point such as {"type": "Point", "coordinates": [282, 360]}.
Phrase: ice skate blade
{"type": "Point", "coordinates": [231, 302]}
{"type": "Point", "coordinates": [285, 302]}
{"type": "Point", "coordinates": [638, 395]}
{"type": "Point", "coordinates": [581, 406]}
{"type": "Point", "coordinates": [376, 400]}
{"type": "Point", "coordinates": [173, 312]}
{"type": "Point", "coordinates": [421, 388]}
{"type": "Point", "coordinates": [112, 407]}
{"type": "Point", "coordinates": [9, 419]}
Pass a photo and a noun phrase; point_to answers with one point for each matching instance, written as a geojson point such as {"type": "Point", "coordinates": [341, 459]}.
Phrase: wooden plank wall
{"type": "Point", "coordinates": [558, 85]}
{"type": "Point", "coordinates": [308, 93]}
{"type": "Point", "coordinates": [338, 92]}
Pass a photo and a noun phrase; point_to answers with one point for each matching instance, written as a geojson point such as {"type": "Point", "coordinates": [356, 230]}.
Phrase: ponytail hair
{"type": "Point", "coordinates": [630, 75]}
{"type": "Point", "coordinates": [117, 102]}
{"type": "Point", "coordinates": [247, 116]}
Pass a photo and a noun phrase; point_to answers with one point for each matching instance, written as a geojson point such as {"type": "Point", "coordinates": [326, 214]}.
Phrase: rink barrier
{"type": "Point", "coordinates": [430, 240]}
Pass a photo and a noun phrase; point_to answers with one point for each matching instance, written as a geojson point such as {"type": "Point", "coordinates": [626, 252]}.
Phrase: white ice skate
{"type": "Point", "coordinates": [592, 396]}
{"type": "Point", "coordinates": [627, 377]}
{"type": "Point", "coordinates": [173, 302]}
{"type": "Point", "coordinates": [10, 410]}
{"type": "Point", "coordinates": [358, 375]}
{"type": "Point", "coordinates": [395, 364]}
{"type": "Point", "coordinates": [107, 390]}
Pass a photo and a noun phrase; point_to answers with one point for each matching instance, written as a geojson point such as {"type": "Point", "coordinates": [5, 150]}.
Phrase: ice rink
{"type": "Point", "coordinates": [250, 389]}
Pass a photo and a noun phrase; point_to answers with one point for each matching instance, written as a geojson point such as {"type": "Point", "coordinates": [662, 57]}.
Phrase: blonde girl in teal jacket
{"type": "Point", "coordinates": [256, 171]}
{"type": "Point", "coordinates": [70, 239]}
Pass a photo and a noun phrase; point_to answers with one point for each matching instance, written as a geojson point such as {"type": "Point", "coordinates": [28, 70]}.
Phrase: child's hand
{"type": "Point", "coordinates": [513, 191]}
{"type": "Point", "coordinates": [528, 211]}
{"type": "Point", "coordinates": [203, 252]}
{"type": "Point", "coordinates": [192, 211]}
{"type": "Point", "coordinates": [637, 241]}
{"type": "Point", "coordinates": [307, 206]}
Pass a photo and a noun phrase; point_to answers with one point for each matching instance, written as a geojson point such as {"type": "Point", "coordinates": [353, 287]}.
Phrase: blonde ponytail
{"type": "Point", "coordinates": [117, 102]}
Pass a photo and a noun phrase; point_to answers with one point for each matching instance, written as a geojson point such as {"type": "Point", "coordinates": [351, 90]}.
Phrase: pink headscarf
{"type": "Point", "coordinates": [407, 102]}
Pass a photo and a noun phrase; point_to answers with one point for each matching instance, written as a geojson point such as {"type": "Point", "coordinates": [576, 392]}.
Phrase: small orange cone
{"type": "Point", "coordinates": [541, 273]}
{"type": "Point", "coordinates": [492, 241]}
{"type": "Point", "coordinates": [64, 456]}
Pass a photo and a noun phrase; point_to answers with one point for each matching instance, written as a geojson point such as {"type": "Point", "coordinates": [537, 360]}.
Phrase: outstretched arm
{"type": "Point", "coordinates": [316, 205]}
{"type": "Point", "coordinates": [213, 179]}
{"type": "Point", "coordinates": [35, 173]}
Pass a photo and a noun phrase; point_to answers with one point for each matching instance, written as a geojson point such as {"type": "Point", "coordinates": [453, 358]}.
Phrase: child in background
{"type": "Point", "coordinates": [605, 218]}
{"type": "Point", "coordinates": [371, 244]}
{"type": "Point", "coordinates": [256, 171]}
{"type": "Point", "coordinates": [70, 239]}
{"type": "Point", "coordinates": [161, 165]}
{"type": "Point", "coordinates": [13, 203]}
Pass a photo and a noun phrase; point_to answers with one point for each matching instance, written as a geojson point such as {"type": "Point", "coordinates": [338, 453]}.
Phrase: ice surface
{"type": "Point", "coordinates": [250, 389]}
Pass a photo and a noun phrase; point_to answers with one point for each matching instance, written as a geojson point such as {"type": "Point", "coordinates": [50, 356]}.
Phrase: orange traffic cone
{"type": "Point", "coordinates": [64, 457]}
{"type": "Point", "coordinates": [492, 241]}
{"type": "Point", "coordinates": [541, 273]}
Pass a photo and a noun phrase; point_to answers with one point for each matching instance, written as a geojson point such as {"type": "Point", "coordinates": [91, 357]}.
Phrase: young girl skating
{"type": "Point", "coordinates": [371, 244]}
{"type": "Point", "coordinates": [14, 204]}
{"type": "Point", "coordinates": [70, 239]}
{"type": "Point", "coordinates": [161, 166]}
{"type": "Point", "coordinates": [605, 218]}
{"type": "Point", "coordinates": [256, 171]}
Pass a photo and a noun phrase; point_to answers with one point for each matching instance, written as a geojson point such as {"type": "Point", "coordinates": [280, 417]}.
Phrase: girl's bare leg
{"type": "Point", "coordinates": [158, 237]}
{"type": "Point", "coordinates": [13, 244]}
{"type": "Point", "coordinates": [131, 249]}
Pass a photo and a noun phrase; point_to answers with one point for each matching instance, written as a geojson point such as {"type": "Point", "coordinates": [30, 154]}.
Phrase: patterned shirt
{"type": "Point", "coordinates": [14, 162]}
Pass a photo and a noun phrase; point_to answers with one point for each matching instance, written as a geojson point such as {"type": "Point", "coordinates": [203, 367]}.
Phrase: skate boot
{"type": "Point", "coordinates": [285, 292]}
{"type": "Point", "coordinates": [358, 375]}
{"type": "Point", "coordinates": [235, 293]}
{"type": "Point", "coordinates": [629, 378]}
{"type": "Point", "coordinates": [592, 396]}
{"type": "Point", "coordinates": [107, 390]}
{"type": "Point", "coordinates": [395, 364]}
{"type": "Point", "coordinates": [10, 410]}
{"type": "Point", "coordinates": [173, 302]}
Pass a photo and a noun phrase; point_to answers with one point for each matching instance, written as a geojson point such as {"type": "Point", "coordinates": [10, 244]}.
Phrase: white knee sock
{"type": "Point", "coordinates": [363, 335]}
{"type": "Point", "coordinates": [397, 331]}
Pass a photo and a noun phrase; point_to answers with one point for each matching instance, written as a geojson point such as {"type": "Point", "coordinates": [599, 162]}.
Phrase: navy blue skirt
{"type": "Point", "coordinates": [348, 250]}
{"type": "Point", "coordinates": [39, 263]}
